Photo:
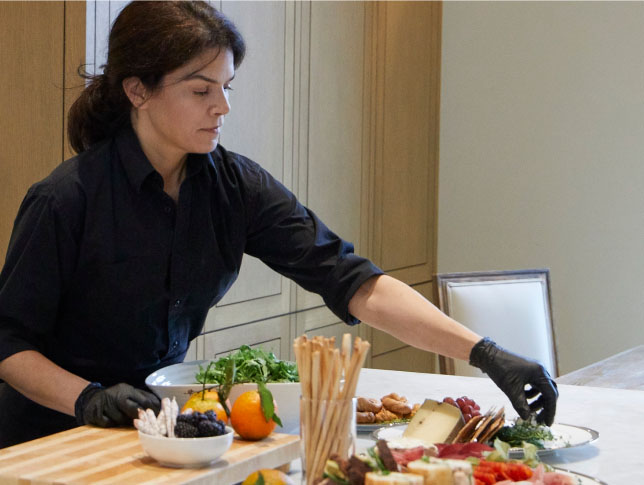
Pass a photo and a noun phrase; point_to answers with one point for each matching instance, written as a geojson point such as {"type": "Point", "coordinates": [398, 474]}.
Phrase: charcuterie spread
{"type": "Point", "coordinates": [455, 464]}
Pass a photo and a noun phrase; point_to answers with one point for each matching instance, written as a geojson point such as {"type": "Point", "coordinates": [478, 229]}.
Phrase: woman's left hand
{"type": "Point", "coordinates": [512, 373]}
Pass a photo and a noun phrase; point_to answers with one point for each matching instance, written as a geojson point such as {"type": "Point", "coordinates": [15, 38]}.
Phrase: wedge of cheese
{"type": "Point", "coordinates": [435, 422]}
{"type": "Point", "coordinates": [432, 473]}
{"type": "Point", "coordinates": [392, 478]}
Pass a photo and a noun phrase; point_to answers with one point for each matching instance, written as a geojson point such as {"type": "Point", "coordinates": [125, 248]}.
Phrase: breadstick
{"type": "Point", "coordinates": [328, 377]}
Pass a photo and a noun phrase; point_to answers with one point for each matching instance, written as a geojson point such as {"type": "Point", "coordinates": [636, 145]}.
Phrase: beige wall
{"type": "Point", "coordinates": [542, 159]}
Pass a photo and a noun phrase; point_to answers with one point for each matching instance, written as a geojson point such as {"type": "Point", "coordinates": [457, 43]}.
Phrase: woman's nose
{"type": "Point", "coordinates": [221, 106]}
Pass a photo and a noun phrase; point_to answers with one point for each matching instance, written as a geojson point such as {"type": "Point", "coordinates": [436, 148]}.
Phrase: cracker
{"type": "Point", "coordinates": [485, 422]}
{"type": "Point", "coordinates": [466, 431]}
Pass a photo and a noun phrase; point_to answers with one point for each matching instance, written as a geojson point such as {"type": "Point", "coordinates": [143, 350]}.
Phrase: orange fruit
{"type": "Point", "coordinates": [206, 401]}
{"type": "Point", "coordinates": [270, 476]}
{"type": "Point", "coordinates": [247, 417]}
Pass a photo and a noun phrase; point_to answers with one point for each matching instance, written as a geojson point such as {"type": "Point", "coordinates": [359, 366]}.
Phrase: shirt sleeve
{"type": "Point", "coordinates": [39, 255]}
{"type": "Point", "coordinates": [293, 241]}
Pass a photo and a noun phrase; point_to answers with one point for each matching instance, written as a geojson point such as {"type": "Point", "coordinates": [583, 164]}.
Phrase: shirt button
{"type": "Point", "coordinates": [175, 343]}
{"type": "Point", "coordinates": [177, 303]}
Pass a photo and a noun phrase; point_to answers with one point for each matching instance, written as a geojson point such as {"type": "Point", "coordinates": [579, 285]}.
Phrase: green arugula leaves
{"type": "Point", "coordinates": [251, 365]}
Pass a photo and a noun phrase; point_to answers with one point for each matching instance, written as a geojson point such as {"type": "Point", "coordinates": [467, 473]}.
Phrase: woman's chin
{"type": "Point", "coordinates": [204, 148]}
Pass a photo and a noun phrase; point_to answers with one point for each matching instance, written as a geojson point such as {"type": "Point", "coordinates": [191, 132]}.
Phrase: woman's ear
{"type": "Point", "coordinates": [135, 91]}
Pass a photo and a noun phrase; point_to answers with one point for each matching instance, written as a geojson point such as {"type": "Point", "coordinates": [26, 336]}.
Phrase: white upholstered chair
{"type": "Point", "coordinates": [510, 307]}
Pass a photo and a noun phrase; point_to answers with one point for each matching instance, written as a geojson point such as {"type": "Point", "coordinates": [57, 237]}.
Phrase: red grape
{"type": "Point", "coordinates": [449, 400]}
{"type": "Point", "coordinates": [466, 405]}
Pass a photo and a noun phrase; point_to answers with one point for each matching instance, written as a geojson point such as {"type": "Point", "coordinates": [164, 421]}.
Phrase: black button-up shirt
{"type": "Point", "coordinates": [110, 279]}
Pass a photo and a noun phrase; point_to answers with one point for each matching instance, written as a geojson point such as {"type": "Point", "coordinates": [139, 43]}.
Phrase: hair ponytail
{"type": "Point", "coordinates": [97, 113]}
{"type": "Point", "coordinates": [147, 40]}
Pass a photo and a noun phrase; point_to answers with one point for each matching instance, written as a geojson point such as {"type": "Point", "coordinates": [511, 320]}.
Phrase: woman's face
{"type": "Point", "coordinates": [186, 113]}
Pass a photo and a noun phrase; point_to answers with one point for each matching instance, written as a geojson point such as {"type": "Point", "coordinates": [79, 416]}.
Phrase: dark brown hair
{"type": "Point", "coordinates": [148, 40]}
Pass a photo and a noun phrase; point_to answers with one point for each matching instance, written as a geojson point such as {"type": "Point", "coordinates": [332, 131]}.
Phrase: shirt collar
{"type": "Point", "coordinates": [137, 166]}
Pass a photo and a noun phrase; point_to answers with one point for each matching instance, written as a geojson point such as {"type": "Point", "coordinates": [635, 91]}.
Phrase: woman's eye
{"type": "Point", "coordinates": [200, 93]}
{"type": "Point", "coordinates": [228, 88]}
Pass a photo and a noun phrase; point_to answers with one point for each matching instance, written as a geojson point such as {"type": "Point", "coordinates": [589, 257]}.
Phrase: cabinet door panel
{"type": "Point", "coordinates": [256, 127]}
{"type": "Point", "coordinates": [32, 40]}
{"type": "Point", "coordinates": [330, 180]}
{"type": "Point", "coordinates": [405, 136]}
{"type": "Point", "coordinates": [195, 351]}
{"type": "Point", "coordinates": [41, 46]}
{"type": "Point", "coordinates": [407, 359]}
{"type": "Point", "coordinates": [274, 330]}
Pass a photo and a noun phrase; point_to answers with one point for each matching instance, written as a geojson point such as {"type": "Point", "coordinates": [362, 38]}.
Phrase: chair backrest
{"type": "Point", "coordinates": [510, 307]}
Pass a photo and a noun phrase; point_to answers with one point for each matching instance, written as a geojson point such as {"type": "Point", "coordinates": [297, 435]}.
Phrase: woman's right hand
{"type": "Point", "coordinates": [113, 406]}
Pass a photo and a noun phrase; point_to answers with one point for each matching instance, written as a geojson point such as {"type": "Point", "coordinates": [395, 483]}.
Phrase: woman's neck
{"type": "Point", "coordinates": [171, 166]}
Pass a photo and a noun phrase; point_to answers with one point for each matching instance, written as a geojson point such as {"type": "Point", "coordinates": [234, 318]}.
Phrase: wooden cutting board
{"type": "Point", "coordinates": [96, 456]}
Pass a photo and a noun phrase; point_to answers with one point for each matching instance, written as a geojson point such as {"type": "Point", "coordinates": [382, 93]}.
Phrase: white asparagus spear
{"type": "Point", "coordinates": [144, 427]}
{"type": "Point", "coordinates": [152, 419]}
{"type": "Point", "coordinates": [175, 412]}
{"type": "Point", "coordinates": [161, 423]}
{"type": "Point", "coordinates": [166, 412]}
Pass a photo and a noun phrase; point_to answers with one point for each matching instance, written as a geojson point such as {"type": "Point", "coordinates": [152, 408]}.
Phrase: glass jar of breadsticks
{"type": "Point", "coordinates": [328, 380]}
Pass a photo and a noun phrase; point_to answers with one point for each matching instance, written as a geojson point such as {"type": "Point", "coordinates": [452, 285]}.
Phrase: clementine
{"type": "Point", "coordinates": [270, 476]}
{"type": "Point", "coordinates": [204, 401]}
{"type": "Point", "coordinates": [247, 417]}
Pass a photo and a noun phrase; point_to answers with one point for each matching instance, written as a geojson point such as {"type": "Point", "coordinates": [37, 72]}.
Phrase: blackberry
{"type": "Point", "coordinates": [185, 430]}
{"type": "Point", "coordinates": [211, 428]}
{"type": "Point", "coordinates": [198, 417]}
{"type": "Point", "coordinates": [184, 418]}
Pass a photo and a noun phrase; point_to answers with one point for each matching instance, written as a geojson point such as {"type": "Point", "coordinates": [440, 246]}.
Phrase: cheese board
{"type": "Point", "coordinates": [90, 455]}
{"type": "Point", "coordinates": [566, 436]}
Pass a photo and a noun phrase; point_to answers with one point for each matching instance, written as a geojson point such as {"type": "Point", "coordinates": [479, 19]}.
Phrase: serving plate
{"type": "Point", "coordinates": [370, 427]}
{"type": "Point", "coordinates": [581, 478]}
{"type": "Point", "coordinates": [566, 436]}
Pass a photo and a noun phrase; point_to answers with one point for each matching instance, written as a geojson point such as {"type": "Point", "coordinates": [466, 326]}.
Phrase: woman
{"type": "Point", "coordinates": [118, 254]}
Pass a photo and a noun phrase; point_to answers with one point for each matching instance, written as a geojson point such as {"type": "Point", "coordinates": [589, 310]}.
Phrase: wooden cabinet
{"type": "Point", "coordinates": [402, 87]}
{"type": "Point", "coordinates": [42, 45]}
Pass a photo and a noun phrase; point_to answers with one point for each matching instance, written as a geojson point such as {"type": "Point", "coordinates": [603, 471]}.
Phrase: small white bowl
{"type": "Point", "coordinates": [186, 452]}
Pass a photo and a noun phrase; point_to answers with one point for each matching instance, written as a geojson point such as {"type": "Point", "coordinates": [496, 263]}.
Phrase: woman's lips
{"type": "Point", "coordinates": [214, 131]}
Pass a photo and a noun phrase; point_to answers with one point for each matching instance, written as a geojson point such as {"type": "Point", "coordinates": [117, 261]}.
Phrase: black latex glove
{"type": "Point", "coordinates": [113, 406]}
{"type": "Point", "coordinates": [512, 373]}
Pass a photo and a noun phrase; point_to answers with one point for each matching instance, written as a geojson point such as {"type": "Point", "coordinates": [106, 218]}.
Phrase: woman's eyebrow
{"type": "Point", "coordinates": [205, 78]}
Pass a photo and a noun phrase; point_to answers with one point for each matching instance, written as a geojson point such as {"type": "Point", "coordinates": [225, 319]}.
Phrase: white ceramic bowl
{"type": "Point", "coordinates": [178, 380]}
{"type": "Point", "coordinates": [186, 452]}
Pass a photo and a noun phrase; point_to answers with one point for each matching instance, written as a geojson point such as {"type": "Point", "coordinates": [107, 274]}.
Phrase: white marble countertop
{"type": "Point", "coordinates": [617, 415]}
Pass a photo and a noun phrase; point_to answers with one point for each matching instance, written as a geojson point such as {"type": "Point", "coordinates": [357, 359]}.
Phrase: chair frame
{"type": "Point", "coordinates": [446, 364]}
